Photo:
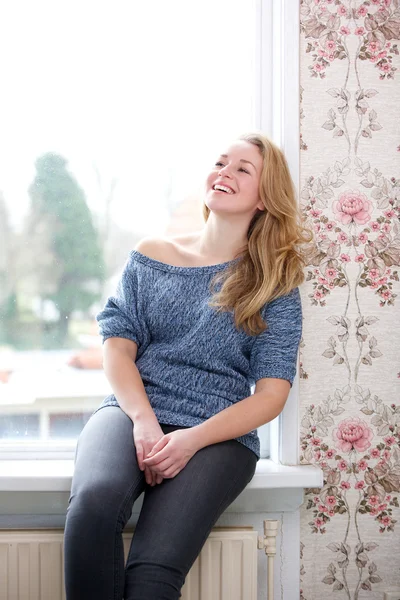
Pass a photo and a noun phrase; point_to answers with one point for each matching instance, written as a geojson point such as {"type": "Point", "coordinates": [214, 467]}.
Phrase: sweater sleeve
{"type": "Point", "coordinates": [274, 352]}
{"type": "Point", "coordinates": [119, 317]}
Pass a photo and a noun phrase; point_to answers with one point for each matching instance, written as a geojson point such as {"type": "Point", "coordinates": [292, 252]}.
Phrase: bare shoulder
{"type": "Point", "coordinates": [152, 247]}
{"type": "Point", "coordinates": [162, 248]}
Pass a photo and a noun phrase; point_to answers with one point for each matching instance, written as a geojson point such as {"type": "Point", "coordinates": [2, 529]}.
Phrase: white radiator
{"type": "Point", "coordinates": [31, 566]}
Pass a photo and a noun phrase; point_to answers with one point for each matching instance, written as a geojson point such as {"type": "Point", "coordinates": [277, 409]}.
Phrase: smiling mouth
{"type": "Point", "coordinates": [222, 188]}
{"type": "Point", "coordinates": [222, 191]}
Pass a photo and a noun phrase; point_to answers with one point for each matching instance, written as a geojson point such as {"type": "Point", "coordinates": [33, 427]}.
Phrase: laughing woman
{"type": "Point", "coordinates": [195, 322]}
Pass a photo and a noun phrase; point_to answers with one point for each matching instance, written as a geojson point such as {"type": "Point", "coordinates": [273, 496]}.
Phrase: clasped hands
{"type": "Point", "coordinates": [168, 456]}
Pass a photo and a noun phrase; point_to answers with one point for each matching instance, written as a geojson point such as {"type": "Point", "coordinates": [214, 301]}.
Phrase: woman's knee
{"type": "Point", "coordinates": [104, 499]}
{"type": "Point", "coordinates": [96, 497]}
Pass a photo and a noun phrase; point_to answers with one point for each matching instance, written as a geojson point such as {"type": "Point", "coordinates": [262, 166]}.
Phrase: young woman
{"type": "Point", "coordinates": [195, 322]}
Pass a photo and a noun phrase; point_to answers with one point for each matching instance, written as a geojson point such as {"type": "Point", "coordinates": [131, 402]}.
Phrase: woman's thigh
{"type": "Point", "coordinates": [178, 515]}
{"type": "Point", "coordinates": [106, 471]}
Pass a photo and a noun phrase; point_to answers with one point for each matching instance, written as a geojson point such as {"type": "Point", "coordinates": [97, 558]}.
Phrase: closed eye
{"type": "Point", "coordinates": [217, 164]}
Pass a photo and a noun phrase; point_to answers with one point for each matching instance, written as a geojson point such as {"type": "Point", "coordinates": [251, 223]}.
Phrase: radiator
{"type": "Point", "coordinates": [31, 566]}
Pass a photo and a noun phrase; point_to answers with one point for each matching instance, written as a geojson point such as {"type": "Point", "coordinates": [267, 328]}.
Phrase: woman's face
{"type": "Point", "coordinates": [238, 170]}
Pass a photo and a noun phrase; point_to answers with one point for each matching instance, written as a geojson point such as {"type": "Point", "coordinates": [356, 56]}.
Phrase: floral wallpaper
{"type": "Point", "coordinates": [350, 351]}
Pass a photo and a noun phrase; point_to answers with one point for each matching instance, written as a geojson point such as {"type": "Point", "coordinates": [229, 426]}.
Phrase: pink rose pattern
{"type": "Point", "coordinates": [322, 25]}
{"type": "Point", "coordinates": [352, 465]}
{"type": "Point", "coordinates": [353, 434]}
{"type": "Point", "coordinates": [352, 207]}
{"type": "Point", "coordinates": [376, 247]}
{"type": "Point", "coordinates": [357, 248]}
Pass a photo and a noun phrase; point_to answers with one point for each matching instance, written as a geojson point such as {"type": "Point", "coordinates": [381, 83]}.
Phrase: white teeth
{"type": "Point", "coordinates": [223, 188]}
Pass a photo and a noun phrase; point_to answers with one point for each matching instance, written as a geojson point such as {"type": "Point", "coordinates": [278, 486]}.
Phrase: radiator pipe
{"type": "Point", "coordinates": [268, 543]}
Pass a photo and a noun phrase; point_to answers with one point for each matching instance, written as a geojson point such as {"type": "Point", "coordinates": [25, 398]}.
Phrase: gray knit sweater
{"type": "Point", "coordinates": [192, 360]}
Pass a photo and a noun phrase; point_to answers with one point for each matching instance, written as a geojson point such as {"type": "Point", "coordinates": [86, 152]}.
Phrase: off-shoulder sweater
{"type": "Point", "coordinates": [192, 360]}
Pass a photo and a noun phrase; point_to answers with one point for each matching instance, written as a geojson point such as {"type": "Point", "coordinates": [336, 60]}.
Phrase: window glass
{"type": "Point", "coordinates": [68, 424]}
{"type": "Point", "coordinates": [26, 427]}
{"type": "Point", "coordinates": [112, 114]}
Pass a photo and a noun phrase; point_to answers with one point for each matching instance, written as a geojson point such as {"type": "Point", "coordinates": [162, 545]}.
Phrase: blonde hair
{"type": "Point", "coordinates": [272, 263]}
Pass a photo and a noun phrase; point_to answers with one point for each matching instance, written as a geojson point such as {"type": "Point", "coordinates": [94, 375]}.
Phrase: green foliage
{"type": "Point", "coordinates": [74, 269]}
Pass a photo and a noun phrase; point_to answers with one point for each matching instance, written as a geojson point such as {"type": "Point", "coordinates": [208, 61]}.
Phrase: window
{"type": "Point", "coordinates": [120, 109]}
{"type": "Point", "coordinates": [24, 426]}
{"type": "Point", "coordinates": [67, 424]}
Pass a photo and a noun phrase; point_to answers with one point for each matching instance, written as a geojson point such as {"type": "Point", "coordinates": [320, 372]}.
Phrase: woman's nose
{"type": "Point", "coordinates": [225, 170]}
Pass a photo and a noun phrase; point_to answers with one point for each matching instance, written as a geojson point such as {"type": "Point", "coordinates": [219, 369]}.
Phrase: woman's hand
{"type": "Point", "coordinates": [146, 434]}
{"type": "Point", "coordinates": [173, 451]}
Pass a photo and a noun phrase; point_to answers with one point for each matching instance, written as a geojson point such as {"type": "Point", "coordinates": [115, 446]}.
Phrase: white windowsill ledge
{"type": "Point", "coordinates": [56, 476]}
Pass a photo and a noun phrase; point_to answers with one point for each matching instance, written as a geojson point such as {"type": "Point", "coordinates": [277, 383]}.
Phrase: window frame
{"type": "Point", "coordinates": [277, 113]}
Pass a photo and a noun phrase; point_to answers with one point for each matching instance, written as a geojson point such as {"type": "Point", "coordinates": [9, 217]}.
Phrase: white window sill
{"type": "Point", "coordinates": [56, 476]}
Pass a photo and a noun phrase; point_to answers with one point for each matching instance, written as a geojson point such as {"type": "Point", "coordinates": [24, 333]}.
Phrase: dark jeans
{"type": "Point", "coordinates": [174, 523]}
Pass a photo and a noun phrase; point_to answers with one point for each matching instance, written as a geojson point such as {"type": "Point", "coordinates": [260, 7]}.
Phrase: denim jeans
{"type": "Point", "coordinates": [174, 522]}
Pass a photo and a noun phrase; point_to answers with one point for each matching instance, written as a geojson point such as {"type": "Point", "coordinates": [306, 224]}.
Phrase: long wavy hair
{"type": "Point", "coordinates": [279, 244]}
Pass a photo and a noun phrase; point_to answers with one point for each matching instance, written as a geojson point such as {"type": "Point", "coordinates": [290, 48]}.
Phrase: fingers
{"type": "Point", "coordinates": [148, 476]}
{"type": "Point", "coordinates": [139, 456]}
{"type": "Point", "coordinates": [162, 442]}
{"type": "Point", "coordinates": [162, 467]}
{"type": "Point", "coordinates": [171, 473]}
{"type": "Point", "coordinates": [157, 458]}
{"type": "Point", "coordinates": [161, 471]}
{"type": "Point", "coordinates": [152, 478]}
{"type": "Point", "coordinates": [157, 477]}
